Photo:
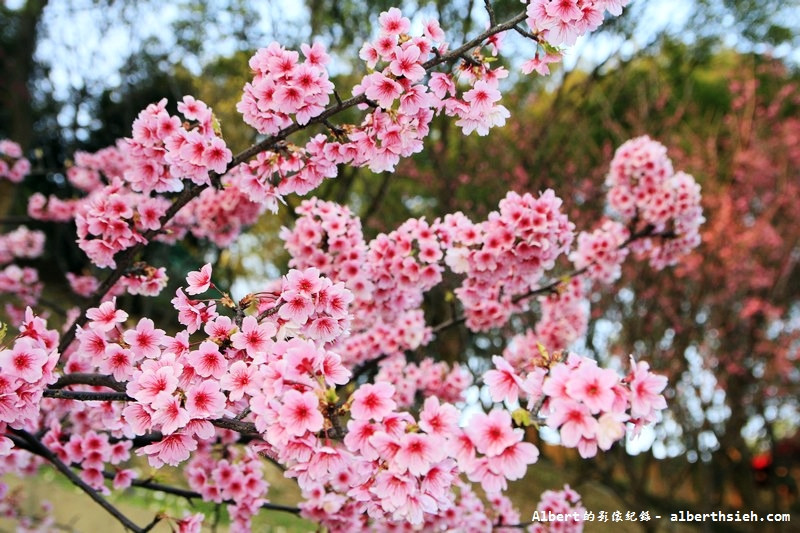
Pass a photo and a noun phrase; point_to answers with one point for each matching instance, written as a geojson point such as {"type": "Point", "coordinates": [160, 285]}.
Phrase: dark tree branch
{"type": "Point", "coordinates": [527, 34]}
{"type": "Point", "coordinates": [87, 396]}
{"type": "Point", "coordinates": [96, 380]}
{"type": "Point", "coordinates": [269, 312]}
{"type": "Point", "coordinates": [367, 367]}
{"type": "Point", "coordinates": [16, 220]}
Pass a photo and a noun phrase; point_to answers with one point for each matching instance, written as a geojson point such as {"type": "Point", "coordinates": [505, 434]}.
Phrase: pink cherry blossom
{"type": "Point", "coordinates": [207, 360]}
{"type": "Point", "coordinates": [169, 413]}
{"type": "Point", "coordinates": [646, 389]}
{"type": "Point", "coordinates": [254, 338]}
{"type": "Point", "coordinates": [438, 419]}
{"type": "Point", "coordinates": [504, 383]}
{"type": "Point", "coordinates": [300, 413]}
{"type": "Point", "coordinates": [241, 379]}
{"type": "Point", "coordinates": [393, 22]}
{"type": "Point", "coordinates": [492, 433]}
{"type": "Point", "coordinates": [25, 360]}
{"type": "Point", "coordinates": [205, 400]}
{"type": "Point", "coordinates": [199, 281]}
{"type": "Point", "coordinates": [574, 420]}
{"type": "Point", "coordinates": [373, 401]}
{"type": "Point", "coordinates": [171, 450]}
{"type": "Point", "coordinates": [145, 340]}
{"type": "Point", "coordinates": [152, 383]}
{"type": "Point", "coordinates": [593, 386]}
{"type": "Point", "coordinates": [417, 452]}
{"type": "Point", "coordinates": [106, 317]}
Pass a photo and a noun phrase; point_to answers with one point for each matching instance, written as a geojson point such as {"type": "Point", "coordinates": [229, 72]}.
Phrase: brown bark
{"type": "Point", "coordinates": [17, 64]}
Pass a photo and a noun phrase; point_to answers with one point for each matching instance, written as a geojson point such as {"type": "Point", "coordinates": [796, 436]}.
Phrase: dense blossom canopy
{"type": "Point", "coordinates": [281, 374]}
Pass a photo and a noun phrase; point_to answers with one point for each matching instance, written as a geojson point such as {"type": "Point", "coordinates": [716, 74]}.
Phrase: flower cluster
{"type": "Point", "coordinates": [314, 306]}
{"type": "Point", "coordinates": [25, 370]}
{"type": "Point", "coordinates": [404, 106]}
{"type": "Point", "coordinates": [563, 21]}
{"type": "Point", "coordinates": [88, 173]}
{"type": "Point", "coordinates": [404, 265]}
{"type": "Point", "coordinates": [216, 214]}
{"type": "Point", "coordinates": [504, 455]}
{"type": "Point", "coordinates": [21, 243]}
{"type": "Point", "coordinates": [407, 330]}
{"type": "Point", "coordinates": [22, 283]}
{"type": "Point", "coordinates": [566, 503]}
{"type": "Point", "coordinates": [387, 277]}
{"type": "Point", "coordinates": [238, 478]}
{"type": "Point", "coordinates": [644, 190]}
{"type": "Point", "coordinates": [162, 151]}
{"type": "Point", "coordinates": [399, 61]}
{"type": "Point", "coordinates": [394, 468]}
{"type": "Point", "coordinates": [112, 220]}
{"type": "Point", "coordinates": [588, 405]}
{"type": "Point", "coordinates": [283, 86]}
{"type": "Point", "coordinates": [90, 452]}
{"type": "Point", "coordinates": [14, 506]}
{"type": "Point", "coordinates": [602, 252]}
{"type": "Point", "coordinates": [89, 168]}
{"type": "Point", "coordinates": [428, 378]}
{"type": "Point", "coordinates": [564, 316]}
{"type": "Point", "coordinates": [506, 256]}
{"type": "Point", "coordinates": [13, 166]}
{"type": "Point", "coordinates": [328, 236]}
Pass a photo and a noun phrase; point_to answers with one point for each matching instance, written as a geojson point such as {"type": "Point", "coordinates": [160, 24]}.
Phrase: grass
{"type": "Point", "coordinates": [74, 511]}
{"type": "Point", "coordinates": [77, 513]}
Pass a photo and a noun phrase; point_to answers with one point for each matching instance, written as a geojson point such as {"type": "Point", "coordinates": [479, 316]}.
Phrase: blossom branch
{"type": "Point", "coordinates": [35, 446]}
{"type": "Point", "coordinates": [192, 191]}
{"type": "Point", "coordinates": [92, 396]}
{"type": "Point", "coordinates": [553, 286]}
{"type": "Point", "coordinates": [192, 495]}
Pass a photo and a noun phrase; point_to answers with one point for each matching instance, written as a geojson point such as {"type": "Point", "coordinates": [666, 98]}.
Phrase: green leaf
{"type": "Point", "coordinates": [521, 417]}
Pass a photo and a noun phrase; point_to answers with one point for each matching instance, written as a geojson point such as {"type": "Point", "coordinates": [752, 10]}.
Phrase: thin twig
{"type": "Point", "coordinates": [235, 425]}
{"type": "Point", "coordinates": [490, 11]}
{"type": "Point", "coordinates": [521, 525]}
{"type": "Point", "coordinates": [269, 312]}
{"type": "Point", "coordinates": [470, 60]}
{"type": "Point", "coordinates": [377, 199]}
{"type": "Point", "coordinates": [156, 519]}
{"type": "Point", "coordinates": [336, 130]}
{"type": "Point", "coordinates": [192, 495]}
{"type": "Point", "coordinates": [527, 34]}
